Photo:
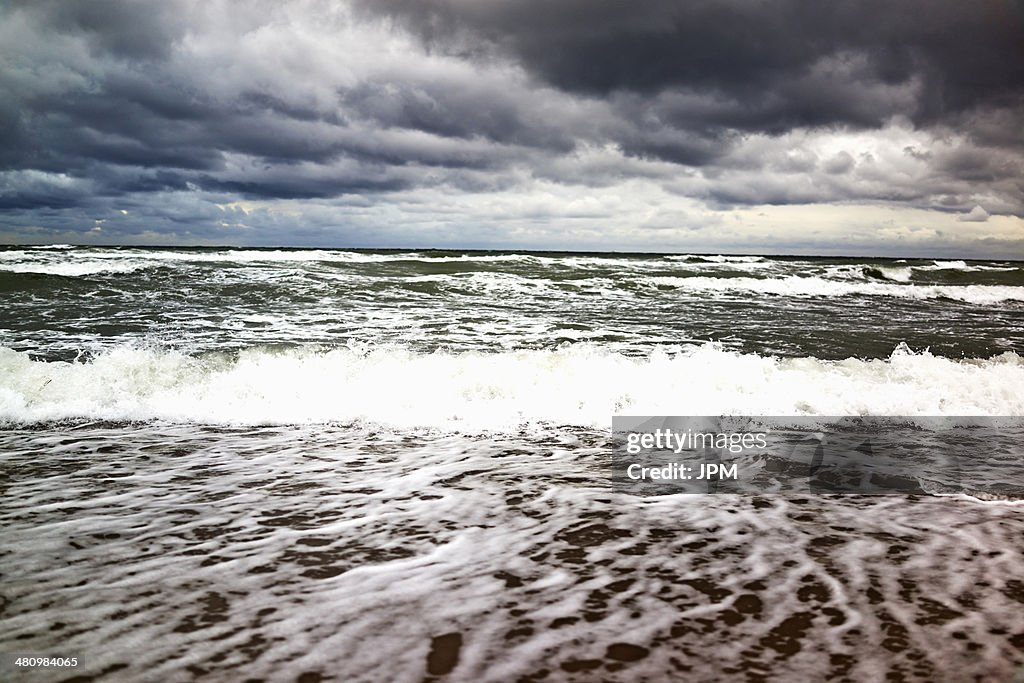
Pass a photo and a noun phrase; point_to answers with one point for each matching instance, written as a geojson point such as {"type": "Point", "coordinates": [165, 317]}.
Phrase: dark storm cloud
{"type": "Point", "coordinates": [457, 110]}
{"type": "Point", "coordinates": [299, 187]}
{"type": "Point", "coordinates": [130, 30]}
{"type": "Point", "coordinates": [108, 102]}
{"type": "Point", "coordinates": [773, 65]}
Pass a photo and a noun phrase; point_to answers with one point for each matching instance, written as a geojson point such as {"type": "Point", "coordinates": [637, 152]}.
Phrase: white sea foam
{"type": "Point", "coordinates": [963, 266]}
{"type": "Point", "coordinates": [78, 268]}
{"type": "Point", "coordinates": [818, 286]}
{"type": "Point", "coordinates": [578, 385]}
{"type": "Point", "coordinates": [267, 553]}
{"type": "Point", "coordinates": [485, 282]}
{"type": "Point", "coordinates": [141, 257]}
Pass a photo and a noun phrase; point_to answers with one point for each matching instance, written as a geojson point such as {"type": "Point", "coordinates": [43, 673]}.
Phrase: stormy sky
{"type": "Point", "coordinates": [791, 126]}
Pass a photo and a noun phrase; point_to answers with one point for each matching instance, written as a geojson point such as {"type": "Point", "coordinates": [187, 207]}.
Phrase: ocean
{"type": "Point", "coordinates": [394, 465]}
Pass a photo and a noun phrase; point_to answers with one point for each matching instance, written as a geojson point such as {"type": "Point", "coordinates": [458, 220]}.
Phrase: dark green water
{"type": "Point", "coordinates": [58, 303]}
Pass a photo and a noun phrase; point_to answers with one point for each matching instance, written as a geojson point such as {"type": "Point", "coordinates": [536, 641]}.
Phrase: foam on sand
{"type": "Point", "coordinates": [286, 553]}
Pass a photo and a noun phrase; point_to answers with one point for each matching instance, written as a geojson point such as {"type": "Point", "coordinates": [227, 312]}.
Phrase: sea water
{"type": "Point", "coordinates": [393, 465]}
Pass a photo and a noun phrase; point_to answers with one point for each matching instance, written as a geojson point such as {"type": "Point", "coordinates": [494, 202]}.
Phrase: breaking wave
{"type": "Point", "coordinates": [822, 287]}
{"type": "Point", "coordinates": [575, 385]}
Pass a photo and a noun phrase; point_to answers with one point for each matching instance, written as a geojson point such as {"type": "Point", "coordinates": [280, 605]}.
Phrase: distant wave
{"type": "Point", "coordinates": [715, 259]}
{"type": "Point", "coordinates": [81, 268]}
{"type": "Point", "coordinates": [898, 274]}
{"type": "Point", "coordinates": [795, 286]}
{"type": "Point", "coordinates": [906, 273]}
{"type": "Point", "coordinates": [533, 272]}
{"type": "Point", "coordinates": [574, 385]}
{"type": "Point", "coordinates": [822, 287]}
{"type": "Point", "coordinates": [282, 256]}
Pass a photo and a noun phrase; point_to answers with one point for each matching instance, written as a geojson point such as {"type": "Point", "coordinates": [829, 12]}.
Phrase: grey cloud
{"type": "Point", "coordinates": [841, 163]}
